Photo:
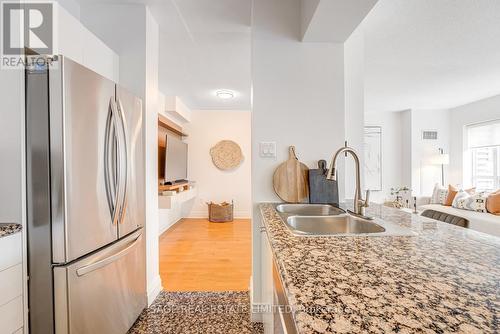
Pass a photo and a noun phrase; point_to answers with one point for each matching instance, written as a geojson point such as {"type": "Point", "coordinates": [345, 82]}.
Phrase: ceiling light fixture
{"type": "Point", "coordinates": [224, 94]}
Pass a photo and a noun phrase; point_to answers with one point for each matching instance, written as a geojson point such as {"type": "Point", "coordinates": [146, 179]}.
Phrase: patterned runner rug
{"type": "Point", "coordinates": [198, 312]}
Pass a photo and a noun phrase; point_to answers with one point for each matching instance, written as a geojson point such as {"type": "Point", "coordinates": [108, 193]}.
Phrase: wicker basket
{"type": "Point", "coordinates": [220, 213]}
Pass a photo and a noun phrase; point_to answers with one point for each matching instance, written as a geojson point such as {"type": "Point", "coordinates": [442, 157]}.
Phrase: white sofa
{"type": "Point", "coordinates": [479, 221]}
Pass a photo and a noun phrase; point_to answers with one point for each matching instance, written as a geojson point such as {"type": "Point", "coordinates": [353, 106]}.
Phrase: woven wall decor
{"type": "Point", "coordinates": [226, 155]}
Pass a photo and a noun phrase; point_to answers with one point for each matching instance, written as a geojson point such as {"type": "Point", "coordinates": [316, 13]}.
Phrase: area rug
{"type": "Point", "coordinates": [198, 312]}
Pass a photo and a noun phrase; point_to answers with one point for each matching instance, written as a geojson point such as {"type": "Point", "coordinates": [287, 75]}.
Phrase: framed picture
{"type": "Point", "coordinates": [373, 158]}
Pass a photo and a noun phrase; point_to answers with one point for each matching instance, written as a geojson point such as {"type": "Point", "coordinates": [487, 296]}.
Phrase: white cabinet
{"type": "Point", "coordinates": [171, 208]}
{"type": "Point", "coordinates": [11, 250]}
{"type": "Point", "coordinates": [11, 284]}
{"type": "Point", "coordinates": [79, 44]}
{"type": "Point", "coordinates": [275, 318]}
{"type": "Point", "coordinates": [11, 316]}
{"type": "Point", "coordinates": [267, 283]}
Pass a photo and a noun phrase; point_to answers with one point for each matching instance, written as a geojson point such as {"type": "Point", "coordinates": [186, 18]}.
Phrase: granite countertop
{"type": "Point", "coordinates": [9, 228]}
{"type": "Point", "coordinates": [443, 279]}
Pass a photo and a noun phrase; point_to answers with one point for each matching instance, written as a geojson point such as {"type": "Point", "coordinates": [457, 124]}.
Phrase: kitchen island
{"type": "Point", "coordinates": [442, 279]}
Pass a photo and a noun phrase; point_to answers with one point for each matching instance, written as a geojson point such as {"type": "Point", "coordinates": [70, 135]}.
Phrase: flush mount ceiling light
{"type": "Point", "coordinates": [224, 94]}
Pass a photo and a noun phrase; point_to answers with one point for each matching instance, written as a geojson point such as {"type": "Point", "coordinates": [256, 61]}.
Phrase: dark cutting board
{"type": "Point", "coordinates": [321, 190]}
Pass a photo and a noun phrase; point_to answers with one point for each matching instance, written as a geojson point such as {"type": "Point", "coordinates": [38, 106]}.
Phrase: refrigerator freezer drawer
{"type": "Point", "coordinates": [104, 292]}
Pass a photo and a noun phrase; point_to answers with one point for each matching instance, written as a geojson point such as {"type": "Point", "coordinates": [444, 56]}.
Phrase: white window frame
{"type": "Point", "coordinates": [472, 159]}
{"type": "Point", "coordinates": [496, 168]}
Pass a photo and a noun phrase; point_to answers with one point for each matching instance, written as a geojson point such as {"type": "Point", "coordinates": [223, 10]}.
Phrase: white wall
{"type": "Point", "coordinates": [132, 32]}
{"type": "Point", "coordinates": [151, 103]}
{"type": "Point", "coordinates": [406, 142]}
{"type": "Point", "coordinates": [207, 127]}
{"type": "Point", "coordinates": [298, 99]}
{"type": "Point", "coordinates": [71, 6]}
{"type": "Point", "coordinates": [392, 151]}
{"type": "Point", "coordinates": [354, 60]}
{"type": "Point", "coordinates": [406, 157]}
{"type": "Point", "coordinates": [475, 112]}
{"type": "Point", "coordinates": [424, 174]}
{"type": "Point", "coordinates": [11, 144]}
{"type": "Point", "coordinates": [12, 162]}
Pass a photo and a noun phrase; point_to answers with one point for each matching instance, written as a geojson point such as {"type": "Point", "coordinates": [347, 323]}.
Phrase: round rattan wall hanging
{"type": "Point", "coordinates": [226, 155]}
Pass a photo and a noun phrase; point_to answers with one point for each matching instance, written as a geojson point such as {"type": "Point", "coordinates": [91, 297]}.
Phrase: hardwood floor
{"type": "Point", "coordinates": [196, 255]}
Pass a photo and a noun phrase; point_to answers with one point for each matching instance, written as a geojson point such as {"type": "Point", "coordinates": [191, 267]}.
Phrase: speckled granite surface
{"type": "Point", "coordinates": [445, 279]}
{"type": "Point", "coordinates": [9, 228]}
{"type": "Point", "coordinates": [198, 312]}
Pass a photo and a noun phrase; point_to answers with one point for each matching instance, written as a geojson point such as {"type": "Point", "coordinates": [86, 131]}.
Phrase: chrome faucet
{"type": "Point", "coordinates": [359, 203]}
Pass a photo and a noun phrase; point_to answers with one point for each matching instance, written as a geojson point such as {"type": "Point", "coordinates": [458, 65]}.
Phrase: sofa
{"type": "Point", "coordinates": [478, 221]}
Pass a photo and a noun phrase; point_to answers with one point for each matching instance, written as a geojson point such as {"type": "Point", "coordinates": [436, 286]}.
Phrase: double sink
{"type": "Point", "coordinates": [324, 220]}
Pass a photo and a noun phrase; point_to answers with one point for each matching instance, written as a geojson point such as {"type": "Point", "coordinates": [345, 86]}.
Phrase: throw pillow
{"type": "Point", "coordinates": [493, 203]}
{"type": "Point", "coordinates": [476, 202]}
{"type": "Point", "coordinates": [458, 200]}
{"type": "Point", "coordinates": [453, 191]}
{"type": "Point", "coordinates": [439, 194]}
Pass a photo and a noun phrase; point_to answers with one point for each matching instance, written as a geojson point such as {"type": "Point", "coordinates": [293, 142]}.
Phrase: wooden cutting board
{"type": "Point", "coordinates": [290, 180]}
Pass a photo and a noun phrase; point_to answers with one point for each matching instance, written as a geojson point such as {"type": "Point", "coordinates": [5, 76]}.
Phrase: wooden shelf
{"type": "Point", "coordinates": [175, 187]}
{"type": "Point", "coordinates": [169, 125]}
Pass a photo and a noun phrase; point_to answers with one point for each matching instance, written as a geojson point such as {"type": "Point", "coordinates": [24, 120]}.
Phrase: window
{"type": "Point", "coordinates": [484, 145]}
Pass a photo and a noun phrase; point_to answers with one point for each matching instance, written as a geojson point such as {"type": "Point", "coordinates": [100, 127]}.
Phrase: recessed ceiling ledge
{"type": "Point", "coordinates": [332, 20]}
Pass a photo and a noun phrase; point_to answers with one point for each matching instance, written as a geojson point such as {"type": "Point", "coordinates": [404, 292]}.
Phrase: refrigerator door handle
{"type": "Point", "coordinates": [113, 167]}
{"type": "Point", "coordinates": [123, 203]}
{"type": "Point", "coordinates": [109, 164]}
{"type": "Point", "coordinates": [112, 258]}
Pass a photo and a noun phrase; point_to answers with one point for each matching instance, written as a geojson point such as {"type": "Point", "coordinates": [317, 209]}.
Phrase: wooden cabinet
{"type": "Point", "coordinates": [11, 284]}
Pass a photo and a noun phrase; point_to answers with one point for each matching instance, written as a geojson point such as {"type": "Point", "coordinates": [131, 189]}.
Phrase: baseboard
{"type": "Point", "coordinates": [256, 310]}
{"type": "Point", "coordinates": [166, 228]}
{"type": "Point", "coordinates": [154, 289]}
{"type": "Point", "coordinates": [204, 214]}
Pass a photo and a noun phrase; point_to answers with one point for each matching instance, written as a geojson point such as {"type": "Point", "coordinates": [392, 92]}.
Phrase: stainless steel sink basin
{"type": "Point", "coordinates": [309, 220]}
{"type": "Point", "coordinates": [309, 210]}
{"type": "Point", "coordinates": [329, 225]}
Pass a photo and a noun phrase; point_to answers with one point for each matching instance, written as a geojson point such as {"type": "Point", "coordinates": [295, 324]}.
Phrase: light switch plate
{"type": "Point", "coordinates": [267, 149]}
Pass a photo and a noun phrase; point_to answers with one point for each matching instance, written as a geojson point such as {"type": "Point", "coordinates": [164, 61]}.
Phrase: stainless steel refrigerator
{"type": "Point", "coordinates": [85, 200]}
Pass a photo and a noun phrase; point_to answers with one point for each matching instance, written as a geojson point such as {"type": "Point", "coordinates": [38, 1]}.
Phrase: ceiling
{"type": "Point", "coordinates": [431, 54]}
{"type": "Point", "coordinates": [419, 54]}
{"type": "Point", "coordinates": [332, 20]}
{"type": "Point", "coordinates": [204, 46]}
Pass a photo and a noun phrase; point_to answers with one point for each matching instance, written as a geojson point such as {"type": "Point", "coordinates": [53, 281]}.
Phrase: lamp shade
{"type": "Point", "coordinates": [441, 159]}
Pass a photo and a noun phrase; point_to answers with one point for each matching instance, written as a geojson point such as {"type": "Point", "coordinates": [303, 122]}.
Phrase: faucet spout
{"type": "Point", "coordinates": [332, 174]}
{"type": "Point", "coordinates": [359, 203]}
